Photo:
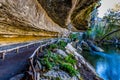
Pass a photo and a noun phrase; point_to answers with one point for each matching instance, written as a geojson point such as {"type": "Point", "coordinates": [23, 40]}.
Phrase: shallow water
{"type": "Point", "coordinates": [106, 64]}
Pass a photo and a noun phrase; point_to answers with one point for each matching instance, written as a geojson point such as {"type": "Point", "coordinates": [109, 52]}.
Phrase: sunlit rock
{"type": "Point", "coordinates": [26, 17]}
{"type": "Point", "coordinates": [44, 17]}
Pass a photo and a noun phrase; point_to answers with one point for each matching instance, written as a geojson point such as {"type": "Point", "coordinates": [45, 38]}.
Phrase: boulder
{"type": "Point", "coordinates": [57, 74]}
{"type": "Point", "coordinates": [61, 52]}
{"type": "Point", "coordinates": [93, 47]}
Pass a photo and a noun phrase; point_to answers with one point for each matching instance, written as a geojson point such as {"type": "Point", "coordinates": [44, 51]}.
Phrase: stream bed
{"type": "Point", "coordinates": [107, 63]}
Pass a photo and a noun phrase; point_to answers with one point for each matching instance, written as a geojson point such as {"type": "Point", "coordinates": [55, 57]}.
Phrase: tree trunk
{"type": "Point", "coordinates": [108, 34]}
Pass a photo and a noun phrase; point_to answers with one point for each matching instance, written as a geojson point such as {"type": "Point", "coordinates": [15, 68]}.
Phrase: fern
{"type": "Point", "coordinates": [62, 44]}
{"type": "Point", "coordinates": [51, 60]}
{"type": "Point", "coordinates": [68, 68]}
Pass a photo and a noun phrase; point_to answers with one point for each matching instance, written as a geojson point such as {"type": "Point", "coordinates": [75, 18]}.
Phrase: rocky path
{"type": "Point", "coordinates": [15, 64]}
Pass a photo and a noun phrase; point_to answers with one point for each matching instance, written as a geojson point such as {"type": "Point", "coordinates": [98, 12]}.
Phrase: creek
{"type": "Point", "coordinates": [107, 63]}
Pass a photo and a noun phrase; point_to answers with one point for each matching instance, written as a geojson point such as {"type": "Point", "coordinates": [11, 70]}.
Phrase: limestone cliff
{"type": "Point", "coordinates": [43, 17]}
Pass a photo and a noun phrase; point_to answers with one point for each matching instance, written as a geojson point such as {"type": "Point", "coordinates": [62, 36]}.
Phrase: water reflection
{"type": "Point", "coordinates": [107, 64]}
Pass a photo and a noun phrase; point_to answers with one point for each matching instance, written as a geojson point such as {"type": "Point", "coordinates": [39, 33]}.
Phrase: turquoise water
{"type": "Point", "coordinates": [106, 64]}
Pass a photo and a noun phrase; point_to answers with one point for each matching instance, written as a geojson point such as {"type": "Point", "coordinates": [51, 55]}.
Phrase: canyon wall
{"type": "Point", "coordinates": [44, 17]}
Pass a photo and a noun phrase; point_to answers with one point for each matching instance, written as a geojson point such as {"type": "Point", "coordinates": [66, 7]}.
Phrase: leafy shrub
{"type": "Point", "coordinates": [50, 60]}
{"type": "Point", "coordinates": [62, 44]}
{"type": "Point", "coordinates": [53, 46]}
{"type": "Point", "coordinates": [72, 36]}
{"type": "Point", "coordinates": [46, 63]}
{"type": "Point", "coordinates": [70, 59]}
{"type": "Point", "coordinates": [68, 68]}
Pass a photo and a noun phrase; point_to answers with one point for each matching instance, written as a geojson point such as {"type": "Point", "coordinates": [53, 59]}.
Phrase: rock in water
{"type": "Point", "coordinates": [94, 47]}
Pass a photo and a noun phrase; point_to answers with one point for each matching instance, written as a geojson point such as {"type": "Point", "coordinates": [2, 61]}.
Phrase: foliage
{"type": "Point", "coordinates": [110, 22]}
{"type": "Point", "coordinates": [70, 59]}
{"type": "Point", "coordinates": [51, 60]}
{"type": "Point", "coordinates": [61, 44]}
{"type": "Point", "coordinates": [68, 68]}
{"type": "Point", "coordinates": [99, 32]}
{"type": "Point", "coordinates": [53, 46]}
{"type": "Point", "coordinates": [73, 36]}
{"type": "Point", "coordinates": [112, 19]}
{"type": "Point", "coordinates": [88, 33]}
{"type": "Point", "coordinates": [46, 63]}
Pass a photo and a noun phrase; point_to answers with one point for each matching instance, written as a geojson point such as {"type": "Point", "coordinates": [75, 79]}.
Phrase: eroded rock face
{"type": "Point", "coordinates": [58, 10]}
{"type": "Point", "coordinates": [64, 12]}
{"type": "Point", "coordinates": [26, 17]}
{"type": "Point", "coordinates": [43, 17]}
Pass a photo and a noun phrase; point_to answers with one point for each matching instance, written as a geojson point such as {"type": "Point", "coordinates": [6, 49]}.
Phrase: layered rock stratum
{"type": "Point", "coordinates": [44, 17]}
